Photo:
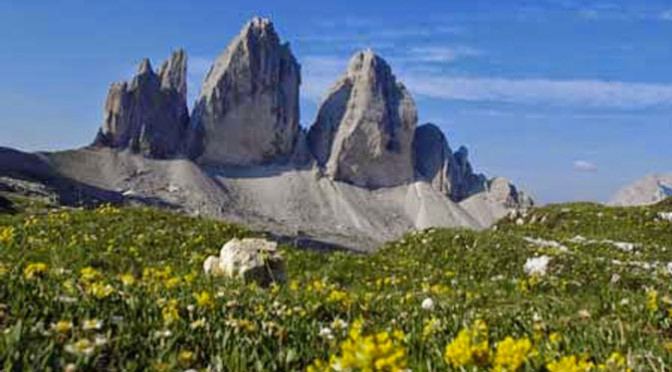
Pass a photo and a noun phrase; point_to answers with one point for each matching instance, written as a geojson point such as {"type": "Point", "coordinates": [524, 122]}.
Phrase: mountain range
{"type": "Point", "coordinates": [364, 172]}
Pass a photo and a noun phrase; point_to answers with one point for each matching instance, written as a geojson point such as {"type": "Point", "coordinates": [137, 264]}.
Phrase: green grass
{"type": "Point", "coordinates": [469, 275]}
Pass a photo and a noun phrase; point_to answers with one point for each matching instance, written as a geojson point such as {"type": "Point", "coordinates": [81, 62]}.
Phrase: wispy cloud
{"type": "Point", "coordinates": [584, 166]}
{"type": "Point", "coordinates": [442, 54]}
{"type": "Point", "coordinates": [197, 68]}
{"type": "Point", "coordinates": [320, 73]}
{"type": "Point", "coordinates": [666, 15]}
{"type": "Point", "coordinates": [581, 93]}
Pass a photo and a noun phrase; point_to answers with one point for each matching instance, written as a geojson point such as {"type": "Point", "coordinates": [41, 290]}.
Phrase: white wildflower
{"type": "Point", "coordinates": [428, 304]}
{"type": "Point", "coordinates": [537, 265]}
{"type": "Point", "coordinates": [325, 332]}
{"type": "Point", "coordinates": [92, 324]}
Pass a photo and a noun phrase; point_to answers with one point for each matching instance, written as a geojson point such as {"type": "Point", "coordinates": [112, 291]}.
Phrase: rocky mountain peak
{"type": "Point", "coordinates": [150, 114]}
{"type": "Point", "coordinates": [248, 110]}
{"type": "Point", "coordinates": [173, 74]}
{"type": "Point", "coordinates": [364, 130]}
{"type": "Point", "coordinates": [449, 172]}
{"type": "Point", "coordinates": [145, 68]}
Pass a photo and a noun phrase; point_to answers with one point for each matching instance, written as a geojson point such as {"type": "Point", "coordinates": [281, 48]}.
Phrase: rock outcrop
{"type": "Point", "coordinates": [503, 192]}
{"type": "Point", "coordinates": [651, 189]}
{"type": "Point", "coordinates": [363, 134]}
{"type": "Point", "coordinates": [249, 259]}
{"type": "Point", "coordinates": [248, 110]}
{"type": "Point", "coordinates": [149, 115]}
{"type": "Point", "coordinates": [449, 173]}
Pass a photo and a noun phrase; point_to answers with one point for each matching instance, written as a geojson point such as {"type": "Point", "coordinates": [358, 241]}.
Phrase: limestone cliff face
{"type": "Point", "coordinates": [248, 110]}
{"type": "Point", "coordinates": [149, 115]}
{"type": "Point", "coordinates": [363, 134]}
{"type": "Point", "coordinates": [449, 172]}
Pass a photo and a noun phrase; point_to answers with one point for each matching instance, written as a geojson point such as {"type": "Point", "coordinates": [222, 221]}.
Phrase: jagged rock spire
{"type": "Point", "coordinates": [248, 110]}
{"type": "Point", "coordinates": [150, 114]}
{"type": "Point", "coordinates": [364, 130]}
{"type": "Point", "coordinates": [449, 173]}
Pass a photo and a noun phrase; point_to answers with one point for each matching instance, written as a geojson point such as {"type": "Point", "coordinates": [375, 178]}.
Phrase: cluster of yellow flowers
{"type": "Point", "coordinates": [571, 363]}
{"type": "Point", "coordinates": [35, 270]}
{"type": "Point", "coordinates": [108, 209]}
{"type": "Point", "coordinates": [470, 347]}
{"type": "Point", "coordinates": [156, 278]}
{"type": "Point", "coordinates": [205, 300]}
{"type": "Point", "coordinates": [91, 279]}
{"type": "Point", "coordinates": [652, 300]}
{"type": "Point", "coordinates": [170, 311]}
{"type": "Point", "coordinates": [7, 235]}
{"type": "Point", "coordinates": [376, 352]}
{"type": "Point", "coordinates": [511, 354]}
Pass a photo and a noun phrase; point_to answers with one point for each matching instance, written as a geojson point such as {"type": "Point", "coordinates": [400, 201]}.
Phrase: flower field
{"type": "Point", "coordinates": [574, 287]}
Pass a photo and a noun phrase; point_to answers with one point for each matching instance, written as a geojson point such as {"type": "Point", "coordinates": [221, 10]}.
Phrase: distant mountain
{"type": "Point", "coordinates": [363, 173]}
{"type": "Point", "coordinates": [648, 190]}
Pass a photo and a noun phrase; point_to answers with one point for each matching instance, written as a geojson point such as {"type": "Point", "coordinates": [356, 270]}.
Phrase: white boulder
{"type": "Point", "coordinates": [250, 259]}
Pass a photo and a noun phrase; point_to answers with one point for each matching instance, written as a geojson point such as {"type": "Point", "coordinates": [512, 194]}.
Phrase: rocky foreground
{"type": "Point", "coordinates": [362, 174]}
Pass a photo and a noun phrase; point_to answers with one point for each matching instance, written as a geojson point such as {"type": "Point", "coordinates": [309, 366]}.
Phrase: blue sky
{"type": "Point", "coordinates": [569, 99]}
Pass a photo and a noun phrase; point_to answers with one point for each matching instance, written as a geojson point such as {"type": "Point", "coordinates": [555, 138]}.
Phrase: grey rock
{"type": "Point", "coordinates": [149, 115]}
{"type": "Point", "coordinates": [250, 259]}
{"type": "Point", "coordinates": [363, 134]}
{"type": "Point", "coordinates": [466, 182]}
{"type": "Point", "coordinates": [651, 189]}
{"type": "Point", "coordinates": [449, 173]}
{"type": "Point", "coordinates": [248, 110]}
{"type": "Point", "coordinates": [502, 191]}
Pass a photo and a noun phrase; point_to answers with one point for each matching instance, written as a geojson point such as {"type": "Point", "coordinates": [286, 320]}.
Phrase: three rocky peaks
{"type": "Point", "coordinates": [247, 114]}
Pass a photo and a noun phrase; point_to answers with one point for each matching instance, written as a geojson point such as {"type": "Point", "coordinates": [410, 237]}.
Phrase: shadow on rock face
{"type": "Point", "coordinates": [6, 205]}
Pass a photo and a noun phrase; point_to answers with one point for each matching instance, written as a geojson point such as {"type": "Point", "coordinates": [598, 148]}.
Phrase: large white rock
{"type": "Point", "coordinates": [249, 259]}
{"type": "Point", "coordinates": [248, 110]}
{"type": "Point", "coordinates": [363, 134]}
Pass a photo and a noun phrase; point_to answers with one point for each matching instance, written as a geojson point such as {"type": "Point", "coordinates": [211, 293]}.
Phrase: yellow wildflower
{"type": "Point", "coordinates": [3, 269]}
{"type": "Point", "coordinates": [652, 300]}
{"type": "Point", "coordinates": [7, 235]}
{"type": "Point", "coordinates": [318, 366]}
{"type": "Point", "coordinates": [615, 362]}
{"type": "Point", "coordinates": [555, 337]}
{"type": "Point", "coordinates": [570, 364]}
{"type": "Point", "coordinates": [431, 327]}
{"type": "Point", "coordinates": [62, 326]}
{"type": "Point", "coordinates": [35, 270]}
{"type": "Point", "coordinates": [170, 312]}
{"type": "Point", "coordinates": [469, 347]}
{"type": "Point", "coordinates": [377, 352]}
{"type": "Point", "coordinates": [100, 290]}
{"type": "Point", "coordinates": [511, 354]}
{"type": "Point", "coordinates": [186, 358]}
{"type": "Point", "coordinates": [89, 275]}
{"type": "Point", "coordinates": [205, 300]}
{"type": "Point", "coordinates": [127, 279]}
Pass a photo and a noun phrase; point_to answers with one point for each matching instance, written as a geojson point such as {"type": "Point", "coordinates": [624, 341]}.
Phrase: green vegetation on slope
{"type": "Point", "coordinates": [123, 289]}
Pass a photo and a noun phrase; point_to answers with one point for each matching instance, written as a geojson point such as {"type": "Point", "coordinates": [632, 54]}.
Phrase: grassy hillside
{"type": "Point", "coordinates": [123, 289]}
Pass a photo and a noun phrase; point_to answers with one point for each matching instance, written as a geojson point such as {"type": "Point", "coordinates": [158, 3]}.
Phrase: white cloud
{"type": "Point", "coordinates": [584, 166]}
{"type": "Point", "coordinates": [441, 53]}
{"type": "Point", "coordinates": [319, 73]}
{"type": "Point", "coordinates": [581, 93]}
{"type": "Point", "coordinates": [666, 15]}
